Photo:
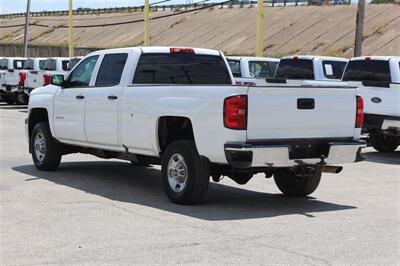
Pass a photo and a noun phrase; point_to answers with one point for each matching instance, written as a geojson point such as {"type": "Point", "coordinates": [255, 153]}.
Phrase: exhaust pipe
{"type": "Point", "coordinates": [331, 169]}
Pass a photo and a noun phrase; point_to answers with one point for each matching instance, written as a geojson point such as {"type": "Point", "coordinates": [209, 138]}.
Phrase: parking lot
{"type": "Point", "coordinates": [94, 211]}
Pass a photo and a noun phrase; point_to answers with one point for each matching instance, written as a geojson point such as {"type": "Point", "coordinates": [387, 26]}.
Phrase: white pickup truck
{"type": "Point", "coordinates": [10, 78]}
{"type": "Point", "coordinates": [252, 70]}
{"type": "Point", "coordinates": [178, 107]}
{"type": "Point", "coordinates": [309, 67]}
{"type": "Point", "coordinates": [378, 79]}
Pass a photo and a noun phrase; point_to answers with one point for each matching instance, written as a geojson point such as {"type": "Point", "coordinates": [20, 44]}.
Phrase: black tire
{"type": "Point", "coordinates": [20, 98]}
{"type": "Point", "coordinates": [8, 99]}
{"type": "Point", "coordinates": [197, 173]}
{"type": "Point", "coordinates": [291, 184]}
{"type": "Point", "coordinates": [384, 143]}
{"type": "Point", "coordinates": [52, 148]}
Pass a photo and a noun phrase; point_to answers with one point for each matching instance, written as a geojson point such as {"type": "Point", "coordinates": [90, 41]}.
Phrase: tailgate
{"type": "Point", "coordinates": [300, 112]}
{"type": "Point", "coordinates": [12, 78]}
{"type": "Point", "coordinates": [34, 79]}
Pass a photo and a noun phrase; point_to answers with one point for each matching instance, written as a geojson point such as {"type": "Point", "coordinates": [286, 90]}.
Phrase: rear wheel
{"type": "Point", "coordinates": [46, 151]}
{"type": "Point", "coordinates": [185, 174]}
{"type": "Point", "coordinates": [20, 98]}
{"type": "Point", "coordinates": [384, 143]}
{"type": "Point", "coordinates": [8, 99]}
{"type": "Point", "coordinates": [292, 184]}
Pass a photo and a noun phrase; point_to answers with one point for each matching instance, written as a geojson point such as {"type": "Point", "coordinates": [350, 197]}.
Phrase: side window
{"type": "Point", "coordinates": [81, 75]}
{"type": "Point", "coordinates": [111, 68]}
{"type": "Point", "coordinates": [65, 65]}
{"type": "Point", "coordinates": [235, 68]}
{"type": "Point", "coordinates": [333, 69]}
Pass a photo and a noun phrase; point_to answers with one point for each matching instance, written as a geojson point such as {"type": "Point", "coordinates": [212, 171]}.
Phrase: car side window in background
{"type": "Point", "coordinates": [235, 67]}
{"type": "Point", "coordinates": [181, 68]}
{"type": "Point", "coordinates": [111, 68]}
{"type": "Point", "coordinates": [73, 62]}
{"type": "Point", "coordinates": [18, 64]}
{"type": "Point", "coordinates": [367, 70]}
{"type": "Point", "coordinates": [65, 65]}
{"type": "Point", "coordinates": [50, 64]}
{"type": "Point", "coordinates": [295, 69]}
{"type": "Point", "coordinates": [81, 75]}
{"type": "Point", "coordinates": [333, 69]}
{"type": "Point", "coordinates": [41, 64]}
{"type": "Point", "coordinates": [260, 69]}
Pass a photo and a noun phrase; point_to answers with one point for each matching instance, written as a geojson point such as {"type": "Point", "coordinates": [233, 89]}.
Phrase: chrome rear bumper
{"type": "Point", "coordinates": [250, 155]}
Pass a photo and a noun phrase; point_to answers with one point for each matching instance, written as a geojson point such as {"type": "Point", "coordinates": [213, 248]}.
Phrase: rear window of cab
{"type": "Point", "coordinates": [181, 68]}
{"type": "Point", "coordinates": [295, 69]}
{"type": "Point", "coordinates": [367, 70]}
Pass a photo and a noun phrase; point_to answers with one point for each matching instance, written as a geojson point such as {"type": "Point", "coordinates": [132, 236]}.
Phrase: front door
{"type": "Point", "coordinates": [69, 103]}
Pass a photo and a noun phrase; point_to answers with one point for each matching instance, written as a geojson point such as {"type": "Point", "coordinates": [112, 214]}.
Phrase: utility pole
{"type": "Point", "coordinates": [146, 23]}
{"type": "Point", "coordinates": [359, 27]}
{"type": "Point", "coordinates": [70, 31]}
{"type": "Point", "coordinates": [260, 28]}
{"type": "Point", "coordinates": [28, 12]}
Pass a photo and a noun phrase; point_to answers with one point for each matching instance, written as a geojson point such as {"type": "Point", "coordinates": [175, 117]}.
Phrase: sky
{"type": "Point", "coordinates": [15, 6]}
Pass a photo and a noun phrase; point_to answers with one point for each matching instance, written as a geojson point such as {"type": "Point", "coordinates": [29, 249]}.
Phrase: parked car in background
{"type": "Point", "coordinates": [179, 107]}
{"type": "Point", "coordinates": [34, 68]}
{"type": "Point", "coordinates": [378, 79]}
{"type": "Point", "coordinates": [55, 66]}
{"type": "Point", "coordinates": [3, 69]}
{"type": "Point", "coordinates": [309, 67]}
{"type": "Point", "coordinates": [252, 70]}
{"type": "Point", "coordinates": [12, 67]}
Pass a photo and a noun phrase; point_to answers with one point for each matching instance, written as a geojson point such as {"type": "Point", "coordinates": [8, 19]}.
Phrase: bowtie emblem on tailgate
{"type": "Point", "coordinates": [376, 100]}
{"type": "Point", "coordinates": [305, 103]}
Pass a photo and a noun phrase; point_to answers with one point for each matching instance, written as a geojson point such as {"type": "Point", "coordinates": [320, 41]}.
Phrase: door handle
{"type": "Point", "coordinates": [80, 97]}
{"type": "Point", "coordinates": [112, 97]}
{"type": "Point", "coordinates": [305, 103]}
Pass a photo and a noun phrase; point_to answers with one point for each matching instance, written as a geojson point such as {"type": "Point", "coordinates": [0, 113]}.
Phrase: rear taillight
{"type": "Point", "coordinates": [235, 112]}
{"type": "Point", "coordinates": [181, 50]}
{"type": "Point", "coordinates": [22, 77]}
{"type": "Point", "coordinates": [360, 112]}
{"type": "Point", "coordinates": [46, 79]}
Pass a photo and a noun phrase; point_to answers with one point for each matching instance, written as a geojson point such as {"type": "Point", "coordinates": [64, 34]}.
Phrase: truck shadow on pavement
{"type": "Point", "coordinates": [122, 182]}
{"type": "Point", "coordinates": [381, 157]}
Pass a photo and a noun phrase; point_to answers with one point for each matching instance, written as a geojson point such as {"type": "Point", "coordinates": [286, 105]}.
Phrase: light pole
{"type": "Point", "coordinates": [28, 11]}
{"type": "Point", "coordinates": [70, 31]}
{"type": "Point", "coordinates": [359, 27]}
{"type": "Point", "coordinates": [260, 28]}
{"type": "Point", "coordinates": [146, 23]}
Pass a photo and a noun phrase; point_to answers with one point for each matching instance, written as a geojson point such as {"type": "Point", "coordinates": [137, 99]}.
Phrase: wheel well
{"type": "Point", "coordinates": [37, 115]}
{"type": "Point", "coordinates": [172, 128]}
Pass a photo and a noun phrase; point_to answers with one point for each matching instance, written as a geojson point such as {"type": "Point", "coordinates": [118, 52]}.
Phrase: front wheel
{"type": "Point", "coordinates": [185, 174]}
{"type": "Point", "coordinates": [46, 151]}
{"type": "Point", "coordinates": [292, 184]}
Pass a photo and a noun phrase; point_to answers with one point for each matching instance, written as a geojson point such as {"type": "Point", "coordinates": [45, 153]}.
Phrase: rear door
{"type": "Point", "coordinates": [373, 77]}
{"type": "Point", "coordinates": [102, 101]}
{"type": "Point", "coordinates": [300, 112]}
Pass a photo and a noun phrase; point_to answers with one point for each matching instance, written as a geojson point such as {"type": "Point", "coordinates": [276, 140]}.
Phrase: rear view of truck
{"type": "Point", "coordinates": [378, 79]}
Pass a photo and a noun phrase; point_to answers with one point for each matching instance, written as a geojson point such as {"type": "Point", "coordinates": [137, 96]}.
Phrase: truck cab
{"type": "Point", "coordinates": [378, 80]}
{"type": "Point", "coordinates": [308, 67]}
{"type": "Point", "coordinates": [55, 66]}
{"type": "Point", "coordinates": [252, 70]}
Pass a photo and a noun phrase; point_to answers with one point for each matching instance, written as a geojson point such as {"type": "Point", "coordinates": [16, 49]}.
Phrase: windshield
{"type": "Point", "coordinates": [50, 64]}
{"type": "Point", "coordinates": [262, 69]}
{"type": "Point", "coordinates": [234, 65]}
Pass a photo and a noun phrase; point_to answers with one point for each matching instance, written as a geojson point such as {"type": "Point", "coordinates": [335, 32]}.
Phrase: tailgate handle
{"type": "Point", "coordinates": [305, 103]}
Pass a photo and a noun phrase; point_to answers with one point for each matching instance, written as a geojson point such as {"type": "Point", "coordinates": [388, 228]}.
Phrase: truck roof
{"type": "Point", "coordinates": [312, 57]}
{"type": "Point", "coordinates": [383, 58]}
{"type": "Point", "coordinates": [159, 49]}
{"type": "Point", "coordinates": [269, 59]}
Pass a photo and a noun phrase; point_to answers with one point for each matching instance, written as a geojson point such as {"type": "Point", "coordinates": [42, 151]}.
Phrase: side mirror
{"type": "Point", "coordinates": [57, 80]}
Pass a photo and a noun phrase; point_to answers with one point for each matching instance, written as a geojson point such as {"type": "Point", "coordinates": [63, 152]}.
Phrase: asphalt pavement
{"type": "Point", "coordinates": [107, 212]}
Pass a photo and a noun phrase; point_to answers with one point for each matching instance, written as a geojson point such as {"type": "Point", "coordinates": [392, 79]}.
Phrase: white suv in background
{"type": "Point", "coordinates": [252, 70]}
